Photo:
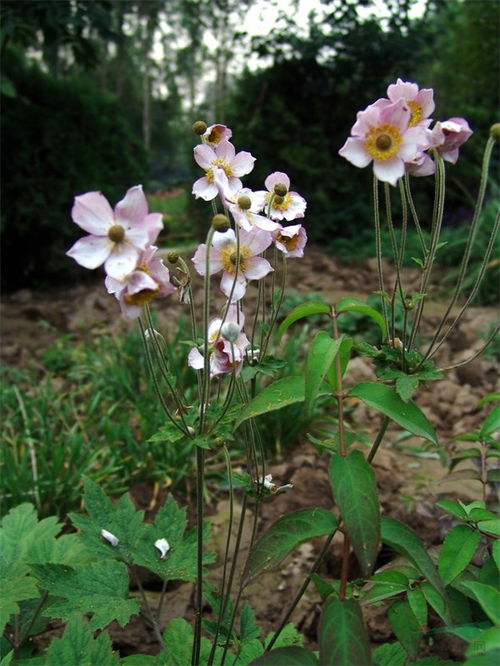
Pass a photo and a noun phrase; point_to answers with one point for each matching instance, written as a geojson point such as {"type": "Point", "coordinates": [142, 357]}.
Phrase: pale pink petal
{"type": "Point", "coordinates": [264, 222]}
{"type": "Point", "coordinates": [129, 310]}
{"type": "Point", "coordinates": [225, 150]}
{"type": "Point", "coordinates": [257, 268]}
{"type": "Point", "coordinates": [113, 286]}
{"type": "Point", "coordinates": [390, 170]}
{"type": "Point", "coordinates": [426, 100]}
{"type": "Point", "coordinates": [296, 208]}
{"type": "Point", "coordinates": [259, 200]}
{"type": "Point", "coordinates": [154, 224]}
{"type": "Point", "coordinates": [133, 208]}
{"type": "Point", "coordinates": [203, 189]}
{"type": "Point", "coordinates": [204, 155]}
{"type": "Point", "coordinates": [138, 236]}
{"type": "Point", "coordinates": [256, 240]}
{"type": "Point", "coordinates": [138, 281]}
{"type": "Point", "coordinates": [226, 286]}
{"type": "Point", "coordinates": [242, 218]}
{"type": "Point", "coordinates": [91, 251]}
{"type": "Point", "coordinates": [354, 151]}
{"type": "Point", "coordinates": [234, 185]}
{"type": "Point", "coordinates": [450, 156]}
{"type": "Point", "coordinates": [92, 212]}
{"type": "Point", "coordinates": [275, 178]}
{"type": "Point", "coordinates": [199, 261]}
{"type": "Point", "coordinates": [397, 114]}
{"type": "Point", "coordinates": [195, 359]}
{"type": "Point", "coordinates": [121, 261]}
{"type": "Point", "coordinates": [221, 238]}
{"type": "Point", "coordinates": [242, 164]}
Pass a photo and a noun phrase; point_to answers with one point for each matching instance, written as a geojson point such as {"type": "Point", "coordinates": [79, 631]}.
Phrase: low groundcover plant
{"type": "Point", "coordinates": [82, 578]}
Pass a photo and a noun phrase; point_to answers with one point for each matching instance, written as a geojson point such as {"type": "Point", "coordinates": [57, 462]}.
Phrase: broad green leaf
{"type": "Point", "coordinates": [401, 538]}
{"type": "Point", "coordinates": [386, 400]}
{"type": "Point", "coordinates": [100, 588]}
{"type": "Point", "coordinates": [405, 386]}
{"type": "Point", "coordinates": [247, 653]}
{"type": "Point", "coordinates": [487, 659]}
{"type": "Point", "coordinates": [390, 654]}
{"type": "Point", "coordinates": [486, 642]}
{"type": "Point", "coordinates": [457, 551]}
{"type": "Point", "coordinates": [284, 535]}
{"type": "Point", "coordinates": [487, 597]}
{"type": "Point", "coordinates": [344, 356]}
{"type": "Point", "coordinates": [301, 311]}
{"type": "Point", "coordinates": [288, 636]}
{"type": "Point", "coordinates": [342, 635]}
{"type": "Point", "coordinates": [436, 601]}
{"type": "Point", "coordinates": [405, 625]}
{"type": "Point", "coordinates": [279, 394]}
{"type": "Point", "coordinates": [321, 355]}
{"type": "Point", "coordinates": [355, 492]}
{"type": "Point", "coordinates": [490, 526]}
{"type": "Point", "coordinates": [16, 586]}
{"type": "Point", "coordinates": [78, 646]}
{"type": "Point", "coordinates": [7, 659]}
{"type": "Point", "coordinates": [382, 591]}
{"type": "Point", "coordinates": [286, 656]}
{"type": "Point", "coordinates": [490, 397]}
{"type": "Point", "coordinates": [418, 604]}
{"type": "Point", "coordinates": [354, 305]}
{"type": "Point", "coordinates": [495, 550]}
{"type": "Point", "coordinates": [168, 432]}
{"type": "Point", "coordinates": [22, 535]}
{"type": "Point", "coordinates": [453, 508]}
{"type": "Point", "coordinates": [491, 423]}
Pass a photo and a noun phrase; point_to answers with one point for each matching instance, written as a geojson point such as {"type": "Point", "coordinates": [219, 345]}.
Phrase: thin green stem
{"type": "Point", "coordinates": [414, 215]}
{"type": "Point", "coordinates": [378, 249]}
{"type": "Point", "coordinates": [378, 440]}
{"type": "Point", "coordinates": [150, 613]}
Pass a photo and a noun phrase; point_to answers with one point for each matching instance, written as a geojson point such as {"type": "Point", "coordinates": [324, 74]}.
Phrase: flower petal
{"type": "Point", "coordinates": [354, 151]}
{"type": "Point", "coordinates": [133, 208]}
{"type": "Point", "coordinates": [121, 261]}
{"type": "Point", "coordinates": [203, 189]}
{"type": "Point", "coordinates": [204, 156]}
{"type": "Point", "coordinates": [92, 212]}
{"type": "Point", "coordinates": [275, 178]}
{"type": "Point", "coordinates": [242, 164]}
{"type": "Point", "coordinates": [257, 268]}
{"type": "Point", "coordinates": [390, 170]}
{"type": "Point", "coordinates": [226, 286]}
{"type": "Point", "coordinates": [91, 251]}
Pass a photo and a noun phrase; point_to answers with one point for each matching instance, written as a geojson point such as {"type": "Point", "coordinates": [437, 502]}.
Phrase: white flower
{"type": "Point", "coordinates": [110, 538]}
{"type": "Point", "coordinates": [163, 546]}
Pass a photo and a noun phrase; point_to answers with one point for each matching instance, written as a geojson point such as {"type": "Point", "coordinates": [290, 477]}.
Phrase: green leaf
{"type": "Point", "coordinates": [490, 526]}
{"type": "Point", "coordinates": [342, 635]}
{"type": "Point", "coordinates": [248, 627]}
{"type": "Point", "coordinates": [100, 588]}
{"type": "Point", "coordinates": [354, 305]}
{"type": "Point", "coordinates": [436, 601]}
{"type": "Point", "coordinates": [178, 641]}
{"type": "Point", "coordinates": [355, 492]}
{"type": "Point", "coordinates": [487, 642]}
{"type": "Point", "coordinates": [386, 400]}
{"type": "Point", "coordinates": [487, 597]}
{"type": "Point", "coordinates": [495, 550]}
{"type": "Point", "coordinates": [286, 656]}
{"type": "Point", "coordinates": [390, 654]}
{"type": "Point", "coordinates": [405, 625]}
{"type": "Point", "coordinates": [7, 659]}
{"type": "Point", "coordinates": [320, 357]}
{"type": "Point", "coordinates": [457, 551]}
{"type": "Point", "coordinates": [279, 394]}
{"type": "Point", "coordinates": [453, 508]}
{"type": "Point", "coordinates": [284, 535]}
{"type": "Point", "coordinates": [77, 646]}
{"type": "Point", "coordinates": [301, 311]}
{"type": "Point", "coordinates": [17, 586]}
{"type": "Point", "coordinates": [418, 604]}
{"type": "Point", "coordinates": [344, 355]}
{"type": "Point", "coordinates": [168, 432]}
{"type": "Point", "coordinates": [490, 397]}
{"type": "Point", "coordinates": [22, 535]}
{"type": "Point", "coordinates": [491, 423]}
{"type": "Point", "coordinates": [401, 538]}
{"type": "Point", "coordinates": [405, 386]}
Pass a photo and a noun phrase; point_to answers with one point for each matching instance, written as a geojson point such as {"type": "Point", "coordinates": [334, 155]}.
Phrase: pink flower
{"type": "Point", "coordinates": [150, 278]}
{"type": "Point", "coordinates": [380, 134]}
{"type": "Point", "coordinates": [225, 355]}
{"type": "Point", "coordinates": [116, 237]}
{"type": "Point", "coordinates": [291, 240]}
{"type": "Point", "coordinates": [289, 207]}
{"type": "Point", "coordinates": [216, 133]}
{"type": "Point", "coordinates": [222, 156]}
{"type": "Point", "coordinates": [421, 165]}
{"type": "Point", "coordinates": [420, 102]}
{"type": "Point", "coordinates": [237, 267]}
{"type": "Point", "coordinates": [448, 136]}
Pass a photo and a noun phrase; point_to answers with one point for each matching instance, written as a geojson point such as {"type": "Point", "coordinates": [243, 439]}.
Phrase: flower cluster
{"type": "Point", "coordinates": [122, 239]}
{"type": "Point", "coordinates": [394, 133]}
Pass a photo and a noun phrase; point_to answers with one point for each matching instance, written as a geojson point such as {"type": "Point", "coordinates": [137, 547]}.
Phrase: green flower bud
{"type": "Point", "coordinates": [244, 202]}
{"type": "Point", "coordinates": [220, 222]}
{"type": "Point", "coordinates": [495, 132]}
{"type": "Point", "coordinates": [199, 127]}
{"type": "Point", "coordinates": [280, 189]}
{"type": "Point", "coordinates": [173, 257]}
{"type": "Point", "coordinates": [278, 199]}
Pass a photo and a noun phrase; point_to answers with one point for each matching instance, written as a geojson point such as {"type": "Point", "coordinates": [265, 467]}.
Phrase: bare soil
{"type": "Point", "coordinates": [409, 485]}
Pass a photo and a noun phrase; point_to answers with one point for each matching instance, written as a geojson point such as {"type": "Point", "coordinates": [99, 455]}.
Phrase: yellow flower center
{"type": "Point", "coordinates": [116, 233]}
{"type": "Point", "coordinates": [229, 258]}
{"type": "Point", "coordinates": [141, 297]}
{"type": "Point", "coordinates": [221, 163]}
{"type": "Point", "coordinates": [416, 113]}
{"type": "Point", "coordinates": [279, 203]}
{"type": "Point", "coordinates": [289, 242]}
{"type": "Point", "coordinates": [383, 142]}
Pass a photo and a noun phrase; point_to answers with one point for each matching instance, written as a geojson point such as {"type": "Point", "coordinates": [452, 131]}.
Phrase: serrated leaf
{"type": "Point", "coordinates": [401, 538]}
{"type": "Point", "coordinates": [100, 588]}
{"type": "Point", "coordinates": [457, 551]}
{"type": "Point", "coordinates": [301, 311]}
{"type": "Point", "coordinates": [342, 635]}
{"type": "Point", "coordinates": [320, 357]}
{"type": "Point", "coordinates": [355, 492]}
{"type": "Point", "coordinates": [390, 654]}
{"type": "Point", "coordinates": [355, 305]}
{"type": "Point", "coordinates": [288, 636]}
{"type": "Point", "coordinates": [286, 656]}
{"type": "Point", "coordinates": [168, 432]}
{"type": "Point", "coordinates": [22, 535]}
{"type": "Point", "coordinates": [284, 535]}
{"type": "Point", "coordinates": [248, 627]}
{"type": "Point", "coordinates": [491, 423]}
{"type": "Point", "coordinates": [17, 586]}
{"type": "Point", "coordinates": [406, 627]}
{"type": "Point", "coordinates": [77, 646]}
{"type": "Point", "coordinates": [281, 393]}
{"type": "Point", "coordinates": [487, 597]}
{"type": "Point", "coordinates": [386, 400]}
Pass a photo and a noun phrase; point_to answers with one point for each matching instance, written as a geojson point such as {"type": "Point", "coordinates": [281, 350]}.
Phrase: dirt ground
{"type": "Point", "coordinates": [409, 484]}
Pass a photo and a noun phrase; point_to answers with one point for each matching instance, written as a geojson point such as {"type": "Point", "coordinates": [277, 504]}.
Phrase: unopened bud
{"type": "Point", "coordinates": [244, 202]}
{"type": "Point", "coordinates": [220, 222]}
{"type": "Point", "coordinates": [173, 257]}
{"type": "Point", "coordinates": [199, 127]}
{"type": "Point", "coordinates": [110, 538]}
{"type": "Point", "coordinates": [280, 189]}
{"type": "Point", "coordinates": [495, 132]}
{"type": "Point", "coordinates": [219, 441]}
{"type": "Point", "coordinates": [277, 199]}
{"type": "Point", "coordinates": [230, 331]}
{"type": "Point", "coordinates": [151, 334]}
{"type": "Point", "coordinates": [191, 431]}
{"type": "Point", "coordinates": [163, 546]}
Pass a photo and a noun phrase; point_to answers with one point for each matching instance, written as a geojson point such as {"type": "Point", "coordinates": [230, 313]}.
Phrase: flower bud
{"type": "Point", "coordinates": [230, 331]}
{"type": "Point", "coordinates": [199, 127]}
{"type": "Point", "coordinates": [173, 257]}
{"type": "Point", "coordinates": [277, 199]}
{"type": "Point", "coordinates": [280, 189]}
{"type": "Point", "coordinates": [110, 538]}
{"type": "Point", "coordinates": [191, 431]}
{"type": "Point", "coordinates": [244, 202]}
{"type": "Point", "coordinates": [220, 222]}
{"type": "Point", "coordinates": [495, 132]}
{"type": "Point", "coordinates": [163, 546]}
{"type": "Point", "coordinates": [219, 441]}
